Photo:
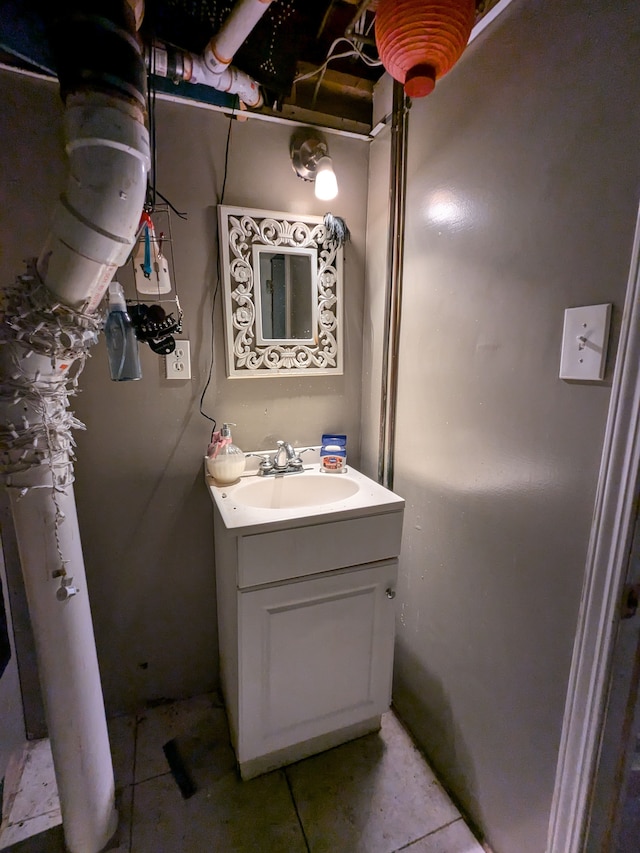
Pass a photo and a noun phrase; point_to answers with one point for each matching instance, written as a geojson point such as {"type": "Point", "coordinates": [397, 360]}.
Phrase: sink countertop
{"type": "Point", "coordinates": [239, 518]}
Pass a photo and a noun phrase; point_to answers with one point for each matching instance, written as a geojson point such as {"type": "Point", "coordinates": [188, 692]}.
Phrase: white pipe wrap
{"type": "Point", "coordinates": [241, 20]}
{"type": "Point", "coordinates": [231, 80]}
{"type": "Point", "coordinates": [95, 223]}
{"type": "Point", "coordinates": [67, 660]}
{"type": "Point", "coordinates": [43, 347]}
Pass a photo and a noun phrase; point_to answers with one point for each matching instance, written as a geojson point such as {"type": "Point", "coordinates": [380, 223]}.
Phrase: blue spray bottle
{"type": "Point", "coordinates": [122, 344]}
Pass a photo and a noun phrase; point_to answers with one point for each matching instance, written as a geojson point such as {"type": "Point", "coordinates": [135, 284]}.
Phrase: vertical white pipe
{"type": "Point", "coordinates": [68, 663]}
{"type": "Point", "coordinates": [242, 19]}
{"type": "Point", "coordinates": [43, 344]}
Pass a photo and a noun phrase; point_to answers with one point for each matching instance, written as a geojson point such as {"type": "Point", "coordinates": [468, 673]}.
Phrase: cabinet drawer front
{"type": "Point", "coordinates": [316, 656]}
{"type": "Point", "coordinates": [300, 551]}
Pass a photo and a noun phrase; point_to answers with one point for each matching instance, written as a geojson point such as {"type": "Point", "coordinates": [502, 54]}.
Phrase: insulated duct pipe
{"type": "Point", "coordinates": [49, 325]}
{"type": "Point", "coordinates": [393, 297]}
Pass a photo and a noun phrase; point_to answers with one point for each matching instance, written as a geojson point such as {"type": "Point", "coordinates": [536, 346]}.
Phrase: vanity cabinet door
{"type": "Point", "coordinates": [316, 656]}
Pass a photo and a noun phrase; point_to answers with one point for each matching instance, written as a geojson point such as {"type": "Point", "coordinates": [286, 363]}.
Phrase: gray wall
{"type": "Point", "coordinates": [31, 172]}
{"type": "Point", "coordinates": [145, 516]}
{"type": "Point", "coordinates": [523, 182]}
{"type": "Point", "coordinates": [375, 286]}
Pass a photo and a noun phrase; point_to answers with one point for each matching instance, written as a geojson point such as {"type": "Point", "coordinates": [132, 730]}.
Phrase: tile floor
{"type": "Point", "coordinates": [31, 806]}
{"type": "Point", "coordinates": [373, 795]}
{"type": "Point", "coordinates": [629, 839]}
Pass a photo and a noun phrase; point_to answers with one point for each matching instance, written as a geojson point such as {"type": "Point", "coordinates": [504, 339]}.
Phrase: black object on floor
{"type": "Point", "coordinates": [178, 769]}
{"type": "Point", "coordinates": [202, 755]}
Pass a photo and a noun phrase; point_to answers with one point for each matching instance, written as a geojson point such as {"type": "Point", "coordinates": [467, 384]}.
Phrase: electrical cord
{"type": "Point", "coordinates": [355, 51]}
{"type": "Point", "coordinates": [151, 196]}
{"type": "Point", "coordinates": [321, 70]}
{"type": "Point", "coordinates": [226, 160]}
{"type": "Point", "coordinates": [219, 276]}
{"type": "Point", "coordinates": [181, 215]}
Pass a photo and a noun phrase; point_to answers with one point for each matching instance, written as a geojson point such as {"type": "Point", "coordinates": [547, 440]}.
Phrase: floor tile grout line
{"type": "Point", "coordinates": [131, 808]}
{"type": "Point", "coordinates": [55, 810]}
{"type": "Point", "coordinates": [449, 793]}
{"type": "Point", "coordinates": [155, 776]}
{"type": "Point", "coordinates": [428, 834]}
{"type": "Point", "coordinates": [133, 781]}
{"type": "Point", "coordinates": [295, 807]}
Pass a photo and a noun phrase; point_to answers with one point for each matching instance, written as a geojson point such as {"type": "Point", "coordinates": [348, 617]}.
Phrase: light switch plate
{"type": "Point", "coordinates": [177, 365]}
{"type": "Point", "coordinates": [584, 342]}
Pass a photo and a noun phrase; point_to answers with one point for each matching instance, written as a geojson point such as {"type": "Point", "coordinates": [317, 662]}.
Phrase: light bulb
{"type": "Point", "coordinates": [326, 183]}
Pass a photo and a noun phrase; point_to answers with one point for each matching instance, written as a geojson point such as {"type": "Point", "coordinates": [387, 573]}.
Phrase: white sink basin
{"type": "Point", "coordinates": [295, 490]}
{"type": "Point", "coordinates": [254, 503]}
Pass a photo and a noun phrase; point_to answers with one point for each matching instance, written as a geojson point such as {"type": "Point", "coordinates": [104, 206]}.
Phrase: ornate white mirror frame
{"type": "Point", "coordinates": [250, 353]}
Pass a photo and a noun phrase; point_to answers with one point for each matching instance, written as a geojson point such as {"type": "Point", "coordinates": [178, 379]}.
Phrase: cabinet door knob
{"type": "Point", "coordinates": [391, 593]}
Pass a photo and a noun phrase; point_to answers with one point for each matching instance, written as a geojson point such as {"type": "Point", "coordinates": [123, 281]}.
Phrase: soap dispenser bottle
{"type": "Point", "coordinates": [122, 344]}
{"type": "Point", "coordinates": [225, 460]}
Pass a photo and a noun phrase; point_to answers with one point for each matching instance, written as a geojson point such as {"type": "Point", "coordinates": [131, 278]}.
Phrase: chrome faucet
{"type": "Point", "coordinates": [284, 456]}
{"type": "Point", "coordinates": [284, 461]}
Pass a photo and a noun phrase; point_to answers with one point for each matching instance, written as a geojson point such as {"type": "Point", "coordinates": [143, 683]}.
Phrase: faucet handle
{"type": "Point", "coordinates": [296, 462]}
{"type": "Point", "coordinates": [298, 453]}
{"type": "Point", "coordinates": [266, 465]}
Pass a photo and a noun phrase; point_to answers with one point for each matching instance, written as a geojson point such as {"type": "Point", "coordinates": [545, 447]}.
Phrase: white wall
{"type": "Point", "coordinates": [145, 516]}
{"type": "Point", "coordinates": [523, 186]}
{"type": "Point", "coordinates": [12, 731]}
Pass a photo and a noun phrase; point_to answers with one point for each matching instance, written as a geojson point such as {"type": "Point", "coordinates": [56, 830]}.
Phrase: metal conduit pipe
{"type": "Point", "coordinates": [393, 296]}
{"type": "Point", "coordinates": [49, 325]}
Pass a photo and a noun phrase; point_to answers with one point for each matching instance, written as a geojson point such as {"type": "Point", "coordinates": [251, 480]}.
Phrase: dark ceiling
{"type": "Point", "coordinates": [315, 61]}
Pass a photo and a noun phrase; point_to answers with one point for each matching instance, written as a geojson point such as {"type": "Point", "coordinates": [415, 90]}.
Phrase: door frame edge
{"type": "Point", "coordinates": [605, 571]}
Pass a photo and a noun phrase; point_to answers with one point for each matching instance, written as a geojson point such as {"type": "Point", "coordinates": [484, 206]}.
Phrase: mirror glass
{"type": "Point", "coordinates": [282, 287]}
{"type": "Point", "coordinates": [286, 294]}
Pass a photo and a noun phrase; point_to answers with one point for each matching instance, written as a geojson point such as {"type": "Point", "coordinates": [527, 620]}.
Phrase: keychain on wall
{"type": "Point", "coordinates": [155, 324]}
{"type": "Point", "coordinates": [150, 267]}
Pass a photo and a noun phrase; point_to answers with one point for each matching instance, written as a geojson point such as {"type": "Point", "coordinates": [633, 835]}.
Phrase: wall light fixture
{"type": "Point", "coordinates": [311, 162]}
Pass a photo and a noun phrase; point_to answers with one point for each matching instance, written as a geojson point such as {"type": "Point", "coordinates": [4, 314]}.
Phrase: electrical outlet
{"type": "Point", "coordinates": [177, 365]}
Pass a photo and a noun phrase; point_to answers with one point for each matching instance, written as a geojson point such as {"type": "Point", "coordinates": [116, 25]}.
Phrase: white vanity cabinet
{"type": "Point", "coordinates": [306, 629]}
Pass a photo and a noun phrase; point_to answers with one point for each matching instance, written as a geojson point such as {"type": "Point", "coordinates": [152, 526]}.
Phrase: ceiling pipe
{"type": "Point", "coordinates": [214, 67]}
{"type": "Point", "coordinates": [165, 60]}
{"type": "Point", "coordinates": [49, 325]}
{"type": "Point", "coordinates": [351, 33]}
{"type": "Point", "coordinates": [234, 31]}
{"type": "Point", "coordinates": [230, 80]}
